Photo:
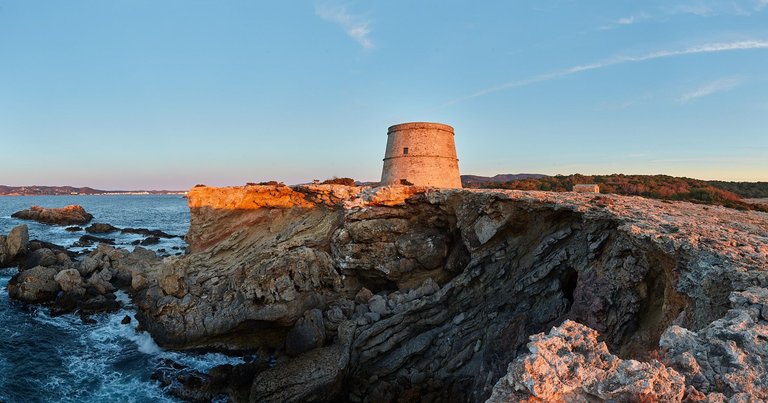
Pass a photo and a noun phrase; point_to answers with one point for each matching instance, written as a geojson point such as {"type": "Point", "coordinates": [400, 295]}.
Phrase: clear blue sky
{"type": "Point", "coordinates": [127, 94]}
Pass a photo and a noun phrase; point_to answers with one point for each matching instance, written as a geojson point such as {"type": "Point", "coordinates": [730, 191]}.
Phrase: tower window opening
{"type": "Point", "coordinates": [405, 151]}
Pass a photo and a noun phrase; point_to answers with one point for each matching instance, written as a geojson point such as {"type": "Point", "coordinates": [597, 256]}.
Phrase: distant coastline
{"type": "Point", "coordinates": [77, 191]}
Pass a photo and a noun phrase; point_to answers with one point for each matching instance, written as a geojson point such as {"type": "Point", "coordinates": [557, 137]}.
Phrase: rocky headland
{"type": "Point", "coordinates": [403, 293]}
{"type": "Point", "coordinates": [410, 293]}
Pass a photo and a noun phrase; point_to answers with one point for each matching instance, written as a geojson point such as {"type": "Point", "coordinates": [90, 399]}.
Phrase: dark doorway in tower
{"type": "Point", "coordinates": [405, 151]}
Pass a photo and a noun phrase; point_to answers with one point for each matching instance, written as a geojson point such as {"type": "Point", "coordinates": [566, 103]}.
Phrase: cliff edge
{"type": "Point", "coordinates": [375, 294]}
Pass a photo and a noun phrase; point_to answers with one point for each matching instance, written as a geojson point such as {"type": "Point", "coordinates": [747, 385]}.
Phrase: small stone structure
{"type": "Point", "coordinates": [586, 188]}
{"type": "Point", "coordinates": [422, 154]}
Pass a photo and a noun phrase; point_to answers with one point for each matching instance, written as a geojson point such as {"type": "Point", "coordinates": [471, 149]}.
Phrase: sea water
{"type": "Point", "coordinates": [61, 359]}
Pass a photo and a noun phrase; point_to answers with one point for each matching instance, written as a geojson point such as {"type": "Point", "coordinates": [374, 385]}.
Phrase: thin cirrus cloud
{"type": "Point", "coordinates": [707, 48]}
{"type": "Point", "coordinates": [713, 87]}
{"type": "Point", "coordinates": [355, 26]}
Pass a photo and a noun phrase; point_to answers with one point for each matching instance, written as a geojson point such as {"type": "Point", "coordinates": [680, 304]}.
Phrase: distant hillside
{"type": "Point", "coordinates": [666, 187]}
{"type": "Point", "coordinates": [70, 190]}
{"type": "Point", "coordinates": [468, 180]}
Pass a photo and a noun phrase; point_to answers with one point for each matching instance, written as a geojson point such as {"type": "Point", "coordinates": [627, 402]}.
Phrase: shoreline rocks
{"type": "Point", "coordinates": [406, 292]}
{"type": "Point", "coordinates": [69, 215]}
{"type": "Point", "coordinates": [14, 246]}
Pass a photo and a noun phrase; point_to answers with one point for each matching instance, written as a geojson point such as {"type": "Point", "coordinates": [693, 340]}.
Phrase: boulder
{"type": "Point", "coordinates": [307, 334]}
{"type": "Point", "coordinates": [34, 285]}
{"type": "Point", "coordinates": [363, 296]}
{"type": "Point", "coordinates": [69, 280]}
{"type": "Point", "coordinates": [18, 241]}
{"type": "Point", "coordinates": [73, 229]}
{"type": "Point", "coordinates": [41, 257]}
{"type": "Point", "coordinates": [14, 246]}
{"type": "Point", "coordinates": [88, 265]}
{"type": "Point", "coordinates": [69, 215]}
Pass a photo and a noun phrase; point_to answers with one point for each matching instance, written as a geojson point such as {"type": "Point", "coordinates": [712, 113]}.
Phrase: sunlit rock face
{"type": "Point", "coordinates": [415, 293]}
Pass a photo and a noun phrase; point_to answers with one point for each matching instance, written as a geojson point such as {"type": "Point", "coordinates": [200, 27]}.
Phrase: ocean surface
{"type": "Point", "coordinates": [61, 359]}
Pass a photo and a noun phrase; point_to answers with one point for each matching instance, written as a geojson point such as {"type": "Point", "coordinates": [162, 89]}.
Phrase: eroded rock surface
{"type": "Point", "coordinates": [430, 294]}
{"type": "Point", "coordinates": [570, 364]}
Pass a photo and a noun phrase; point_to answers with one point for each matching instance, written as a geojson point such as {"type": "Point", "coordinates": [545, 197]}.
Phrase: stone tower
{"type": "Point", "coordinates": [421, 153]}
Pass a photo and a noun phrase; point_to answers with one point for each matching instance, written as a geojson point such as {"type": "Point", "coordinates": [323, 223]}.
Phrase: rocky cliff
{"type": "Point", "coordinates": [415, 294]}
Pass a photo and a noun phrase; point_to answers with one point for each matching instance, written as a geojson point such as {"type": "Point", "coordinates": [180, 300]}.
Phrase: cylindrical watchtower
{"type": "Point", "coordinates": [422, 154]}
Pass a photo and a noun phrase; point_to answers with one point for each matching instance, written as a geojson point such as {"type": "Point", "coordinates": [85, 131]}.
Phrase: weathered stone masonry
{"type": "Point", "coordinates": [423, 154]}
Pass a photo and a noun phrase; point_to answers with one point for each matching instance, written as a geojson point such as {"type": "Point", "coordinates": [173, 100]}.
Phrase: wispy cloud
{"type": "Point", "coordinates": [632, 19]}
{"type": "Point", "coordinates": [699, 8]}
{"type": "Point", "coordinates": [707, 48]}
{"type": "Point", "coordinates": [710, 88]}
{"type": "Point", "coordinates": [356, 27]}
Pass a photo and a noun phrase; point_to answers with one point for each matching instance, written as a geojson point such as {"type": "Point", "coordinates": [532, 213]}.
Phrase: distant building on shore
{"type": "Point", "coordinates": [422, 154]}
{"type": "Point", "coordinates": [586, 188]}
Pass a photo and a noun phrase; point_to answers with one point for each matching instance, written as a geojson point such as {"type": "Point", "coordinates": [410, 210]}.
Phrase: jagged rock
{"type": "Point", "coordinates": [69, 215]}
{"type": "Point", "coordinates": [73, 229]}
{"type": "Point", "coordinates": [101, 228]}
{"type": "Point", "coordinates": [307, 334]}
{"type": "Point", "coordinates": [69, 280]}
{"type": "Point", "coordinates": [569, 364]}
{"type": "Point", "coordinates": [34, 285]}
{"type": "Point", "coordinates": [730, 355]}
{"type": "Point", "coordinates": [88, 265]}
{"type": "Point", "coordinates": [100, 281]}
{"type": "Point", "coordinates": [502, 265]}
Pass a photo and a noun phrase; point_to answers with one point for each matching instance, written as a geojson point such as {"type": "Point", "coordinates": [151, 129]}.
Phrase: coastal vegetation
{"type": "Point", "coordinates": [665, 187]}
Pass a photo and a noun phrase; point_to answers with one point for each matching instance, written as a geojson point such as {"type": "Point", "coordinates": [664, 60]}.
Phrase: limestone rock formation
{"type": "Point", "coordinates": [69, 215]}
{"type": "Point", "coordinates": [730, 355]}
{"type": "Point", "coordinates": [569, 364]}
{"type": "Point", "coordinates": [457, 281]}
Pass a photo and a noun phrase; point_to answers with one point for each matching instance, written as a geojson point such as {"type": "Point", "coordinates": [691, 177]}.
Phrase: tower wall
{"type": "Point", "coordinates": [430, 159]}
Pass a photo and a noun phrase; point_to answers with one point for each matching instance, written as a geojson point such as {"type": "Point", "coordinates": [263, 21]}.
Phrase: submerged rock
{"type": "Point", "coordinates": [88, 240]}
{"type": "Point", "coordinates": [69, 215]}
{"type": "Point", "coordinates": [101, 228]}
